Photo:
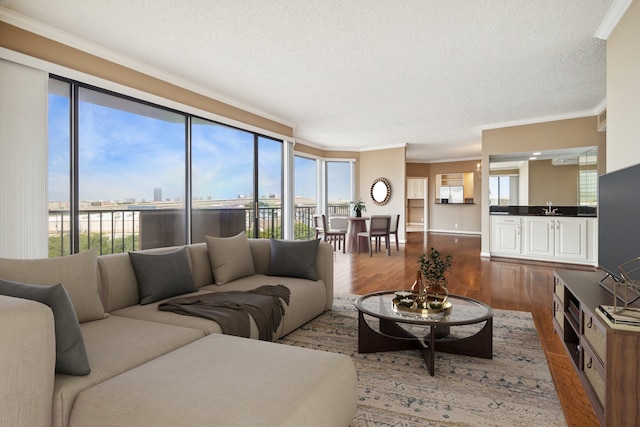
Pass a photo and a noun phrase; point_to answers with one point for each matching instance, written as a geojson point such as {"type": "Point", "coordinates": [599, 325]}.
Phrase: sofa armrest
{"type": "Point", "coordinates": [27, 362]}
{"type": "Point", "coordinates": [324, 269]}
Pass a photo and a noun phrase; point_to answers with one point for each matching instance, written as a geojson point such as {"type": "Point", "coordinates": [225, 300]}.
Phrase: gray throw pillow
{"type": "Point", "coordinates": [71, 355]}
{"type": "Point", "coordinates": [294, 258]}
{"type": "Point", "coordinates": [162, 276]}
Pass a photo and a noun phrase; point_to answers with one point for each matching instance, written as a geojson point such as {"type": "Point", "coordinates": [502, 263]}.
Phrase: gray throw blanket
{"type": "Point", "coordinates": [231, 309]}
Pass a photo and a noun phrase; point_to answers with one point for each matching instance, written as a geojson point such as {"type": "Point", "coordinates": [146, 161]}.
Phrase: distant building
{"type": "Point", "coordinates": [157, 194]}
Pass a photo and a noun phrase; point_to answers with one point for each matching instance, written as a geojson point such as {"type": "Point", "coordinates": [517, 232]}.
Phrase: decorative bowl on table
{"type": "Point", "coordinates": [406, 302]}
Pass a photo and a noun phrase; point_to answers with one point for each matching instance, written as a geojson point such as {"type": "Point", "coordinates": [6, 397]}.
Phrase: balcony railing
{"type": "Point", "coordinates": [123, 230]}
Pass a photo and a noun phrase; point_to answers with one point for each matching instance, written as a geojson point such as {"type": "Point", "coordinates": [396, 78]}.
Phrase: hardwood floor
{"type": "Point", "coordinates": [503, 284]}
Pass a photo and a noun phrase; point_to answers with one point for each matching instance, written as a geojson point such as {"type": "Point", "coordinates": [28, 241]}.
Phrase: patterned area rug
{"type": "Point", "coordinates": [395, 388]}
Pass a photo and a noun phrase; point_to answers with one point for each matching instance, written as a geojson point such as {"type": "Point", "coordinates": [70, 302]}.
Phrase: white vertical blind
{"type": "Point", "coordinates": [23, 161]}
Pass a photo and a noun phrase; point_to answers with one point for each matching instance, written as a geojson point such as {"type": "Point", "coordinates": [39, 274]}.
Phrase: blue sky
{"type": "Point", "coordinates": [128, 149]}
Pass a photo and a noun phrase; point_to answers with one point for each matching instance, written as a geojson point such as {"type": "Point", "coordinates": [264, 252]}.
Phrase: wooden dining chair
{"type": "Point", "coordinates": [378, 228]}
{"type": "Point", "coordinates": [317, 225]}
{"type": "Point", "coordinates": [336, 237]}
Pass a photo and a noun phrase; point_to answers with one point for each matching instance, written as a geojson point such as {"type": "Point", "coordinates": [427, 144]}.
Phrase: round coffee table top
{"type": "Point", "coordinates": [464, 310]}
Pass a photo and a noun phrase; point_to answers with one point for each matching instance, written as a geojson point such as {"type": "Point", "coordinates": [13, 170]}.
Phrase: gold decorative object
{"type": "Point", "coordinates": [407, 302]}
{"type": "Point", "coordinates": [436, 296]}
{"type": "Point", "coordinates": [418, 286]}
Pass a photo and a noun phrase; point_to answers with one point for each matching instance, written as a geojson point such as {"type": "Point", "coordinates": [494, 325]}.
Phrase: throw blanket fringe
{"type": "Point", "coordinates": [231, 309]}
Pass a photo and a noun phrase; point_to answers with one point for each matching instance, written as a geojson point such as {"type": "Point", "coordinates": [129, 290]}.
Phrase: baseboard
{"type": "Point", "coordinates": [478, 233]}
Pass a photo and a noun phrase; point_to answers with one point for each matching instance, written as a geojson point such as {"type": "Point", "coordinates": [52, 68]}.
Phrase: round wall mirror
{"type": "Point", "coordinates": [380, 191]}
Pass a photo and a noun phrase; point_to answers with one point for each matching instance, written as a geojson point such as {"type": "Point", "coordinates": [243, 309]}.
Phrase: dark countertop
{"type": "Point", "coordinates": [575, 211]}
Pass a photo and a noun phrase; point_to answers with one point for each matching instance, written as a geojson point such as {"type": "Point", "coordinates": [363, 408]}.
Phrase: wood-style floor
{"type": "Point", "coordinates": [503, 284]}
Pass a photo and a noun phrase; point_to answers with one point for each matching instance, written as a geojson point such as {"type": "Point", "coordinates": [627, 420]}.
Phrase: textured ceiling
{"type": "Point", "coordinates": [360, 74]}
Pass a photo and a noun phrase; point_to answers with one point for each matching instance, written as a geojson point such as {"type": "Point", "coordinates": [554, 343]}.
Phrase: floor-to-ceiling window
{"type": "Point", "coordinates": [59, 171]}
{"type": "Point", "coordinates": [127, 175]}
{"type": "Point", "coordinates": [306, 196]}
{"type": "Point", "coordinates": [270, 187]}
{"type": "Point", "coordinates": [222, 180]}
{"type": "Point", "coordinates": [339, 187]}
{"type": "Point", "coordinates": [131, 163]}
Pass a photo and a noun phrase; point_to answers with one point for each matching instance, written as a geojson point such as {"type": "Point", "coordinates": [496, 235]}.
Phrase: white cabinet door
{"type": "Point", "coordinates": [540, 236]}
{"type": "Point", "coordinates": [571, 238]}
{"type": "Point", "coordinates": [562, 239]}
{"type": "Point", "coordinates": [505, 236]}
{"type": "Point", "coordinates": [415, 188]}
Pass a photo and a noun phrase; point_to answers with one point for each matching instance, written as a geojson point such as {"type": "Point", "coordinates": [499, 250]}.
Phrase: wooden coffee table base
{"type": "Point", "coordinates": [394, 338]}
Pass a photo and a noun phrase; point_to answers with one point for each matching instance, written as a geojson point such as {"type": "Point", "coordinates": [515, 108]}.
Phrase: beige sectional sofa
{"type": "Point", "coordinates": [157, 368]}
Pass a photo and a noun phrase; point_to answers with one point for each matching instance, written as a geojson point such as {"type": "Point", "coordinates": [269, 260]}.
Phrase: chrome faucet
{"type": "Point", "coordinates": [550, 211]}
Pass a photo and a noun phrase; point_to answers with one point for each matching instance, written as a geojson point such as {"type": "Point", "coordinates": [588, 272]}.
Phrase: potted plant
{"type": "Point", "coordinates": [433, 267]}
{"type": "Point", "coordinates": [358, 207]}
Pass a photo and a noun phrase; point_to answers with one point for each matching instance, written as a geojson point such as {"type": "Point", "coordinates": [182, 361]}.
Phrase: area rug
{"type": "Point", "coordinates": [395, 389]}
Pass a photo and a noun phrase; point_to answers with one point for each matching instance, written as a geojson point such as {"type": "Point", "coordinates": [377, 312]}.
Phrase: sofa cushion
{"type": "Point", "coordinates": [115, 345]}
{"type": "Point", "coordinates": [230, 258]}
{"type": "Point", "coordinates": [71, 356]}
{"type": "Point", "coordinates": [162, 276]}
{"type": "Point", "coordinates": [294, 258]}
{"type": "Point", "coordinates": [307, 300]}
{"type": "Point", "coordinates": [228, 381]}
{"type": "Point", "coordinates": [151, 313]}
{"type": "Point", "coordinates": [200, 264]}
{"type": "Point", "coordinates": [78, 274]}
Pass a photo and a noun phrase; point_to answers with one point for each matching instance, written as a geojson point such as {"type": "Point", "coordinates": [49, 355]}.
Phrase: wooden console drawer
{"type": "Point", "coordinates": [596, 336]}
{"type": "Point", "coordinates": [593, 376]}
{"type": "Point", "coordinates": [558, 313]}
{"type": "Point", "coordinates": [558, 288]}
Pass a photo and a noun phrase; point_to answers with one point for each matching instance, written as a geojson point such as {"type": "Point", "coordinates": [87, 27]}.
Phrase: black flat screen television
{"type": "Point", "coordinates": [618, 221]}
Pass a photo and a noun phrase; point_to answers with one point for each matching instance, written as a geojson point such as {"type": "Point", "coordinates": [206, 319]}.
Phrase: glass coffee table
{"type": "Point", "coordinates": [381, 327]}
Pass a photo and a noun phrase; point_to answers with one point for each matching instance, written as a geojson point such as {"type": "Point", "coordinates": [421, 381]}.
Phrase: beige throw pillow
{"type": "Point", "coordinates": [77, 273]}
{"type": "Point", "coordinates": [230, 258]}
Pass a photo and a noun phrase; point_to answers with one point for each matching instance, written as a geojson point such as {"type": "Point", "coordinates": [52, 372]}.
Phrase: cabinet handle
{"type": "Point", "coordinates": [590, 322]}
{"type": "Point", "coordinates": [590, 364]}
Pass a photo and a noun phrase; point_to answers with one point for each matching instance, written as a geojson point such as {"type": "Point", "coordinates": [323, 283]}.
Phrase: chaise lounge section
{"type": "Point", "coordinates": [152, 367]}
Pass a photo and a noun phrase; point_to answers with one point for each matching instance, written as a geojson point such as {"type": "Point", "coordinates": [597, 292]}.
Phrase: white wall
{"type": "Point", "coordinates": [623, 91]}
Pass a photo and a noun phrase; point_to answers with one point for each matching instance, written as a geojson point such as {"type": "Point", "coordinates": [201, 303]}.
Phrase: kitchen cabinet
{"type": "Point", "coordinates": [416, 204]}
{"type": "Point", "coordinates": [560, 238]}
{"type": "Point", "coordinates": [563, 239]}
{"type": "Point", "coordinates": [454, 188]}
{"type": "Point", "coordinates": [415, 188]}
{"type": "Point", "coordinates": [506, 235]}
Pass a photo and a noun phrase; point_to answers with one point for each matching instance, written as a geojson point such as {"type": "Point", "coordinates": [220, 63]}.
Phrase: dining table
{"type": "Point", "coordinates": [356, 224]}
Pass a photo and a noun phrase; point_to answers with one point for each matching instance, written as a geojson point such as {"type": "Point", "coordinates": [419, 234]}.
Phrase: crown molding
{"type": "Point", "coordinates": [382, 147]}
{"type": "Point", "coordinates": [614, 14]}
{"type": "Point", "coordinates": [352, 149]}
{"type": "Point", "coordinates": [60, 36]}
{"type": "Point", "coordinates": [543, 119]}
{"type": "Point", "coordinates": [600, 107]}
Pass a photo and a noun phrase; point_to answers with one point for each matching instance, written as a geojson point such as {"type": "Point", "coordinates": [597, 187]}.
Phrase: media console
{"type": "Point", "coordinates": [607, 359]}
